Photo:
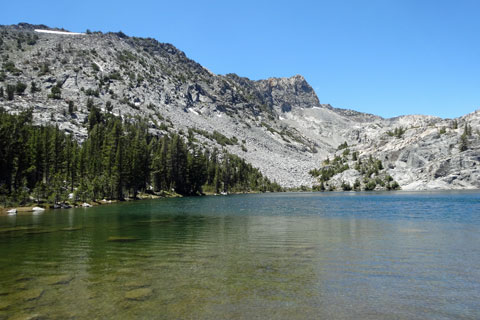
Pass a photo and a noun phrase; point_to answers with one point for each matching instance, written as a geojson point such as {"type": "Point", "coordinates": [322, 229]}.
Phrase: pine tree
{"type": "Point", "coordinates": [118, 173]}
{"type": "Point", "coordinates": [33, 88]}
{"type": "Point", "coordinates": [159, 166]}
{"type": "Point", "coordinates": [217, 183]}
{"type": "Point", "coordinates": [10, 91]}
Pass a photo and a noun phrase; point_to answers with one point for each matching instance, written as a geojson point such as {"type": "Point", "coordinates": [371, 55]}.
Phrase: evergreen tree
{"type": "Point", "coordinates": [10, 91]}
{"type": "Point", "coordinates": [33, 87]}
{"type": "Point", "coordinates": [116, 157]}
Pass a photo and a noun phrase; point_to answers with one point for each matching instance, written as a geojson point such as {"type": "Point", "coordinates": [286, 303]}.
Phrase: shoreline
{"type": "Point", "coordinates": [25, 210]}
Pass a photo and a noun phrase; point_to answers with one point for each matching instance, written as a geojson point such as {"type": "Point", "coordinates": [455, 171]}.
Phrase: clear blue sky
{"type": "Point", "coordinates": [388, 57]}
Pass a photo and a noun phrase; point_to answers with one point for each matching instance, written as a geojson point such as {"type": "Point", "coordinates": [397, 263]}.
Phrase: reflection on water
{"type": "Point", "coordinates": [281, 256]}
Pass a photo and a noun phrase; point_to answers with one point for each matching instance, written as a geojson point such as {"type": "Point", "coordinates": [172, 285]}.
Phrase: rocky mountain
{"type": "Point", "coordinates": [277, 124]}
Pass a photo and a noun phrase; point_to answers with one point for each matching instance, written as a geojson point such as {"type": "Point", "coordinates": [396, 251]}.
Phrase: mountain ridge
{"type": "Point", "coordinates": [279, 121]}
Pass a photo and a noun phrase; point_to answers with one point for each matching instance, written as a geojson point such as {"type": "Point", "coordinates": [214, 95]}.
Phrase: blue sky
{"type": "Point", "coordinates": [384, 57]}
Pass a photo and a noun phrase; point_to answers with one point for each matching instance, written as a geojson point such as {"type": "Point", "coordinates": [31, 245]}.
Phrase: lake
{"type": "Point", "coordinates": [395, 255]}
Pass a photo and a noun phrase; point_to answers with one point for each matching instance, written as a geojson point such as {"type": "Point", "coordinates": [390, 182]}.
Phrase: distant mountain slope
{"type": "Point", "coordinates": [279, 124]}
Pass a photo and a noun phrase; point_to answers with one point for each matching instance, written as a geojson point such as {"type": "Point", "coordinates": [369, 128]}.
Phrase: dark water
{"type": "Point", "coordinates": [273, 256]}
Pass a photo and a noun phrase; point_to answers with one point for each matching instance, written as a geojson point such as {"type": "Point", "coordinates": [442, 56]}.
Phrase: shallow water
{"type": "Point", "coordinates": [277, 256]}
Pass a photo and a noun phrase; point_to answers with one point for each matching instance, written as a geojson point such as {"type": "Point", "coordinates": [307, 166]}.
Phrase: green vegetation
{"type": "Point", "coordinates": [126, 56]}
{"type": "Point", "coordinates": [56, 92]}
{"type": "Point", "coordinates": [336, 166]}
{"type": "Point", "coordinates": [10, 91]}
{"type": "Point", "coordinates": [113, 76]}
{"type": "Point", "coordinates": [9, 66]}
{"type": "Point", "coordinates": [343, 146]}
{"type": "Point", "coordinates": [467, 132]}
{"type": "Point", "coordinates": [20, 87]}
{"type": "Point", "coordinates": [217, 136]}
{"type": "Point", "coordinates": [71, 107]}
{"type": "Point", "coordinates": [44, 69]}
{"type": "Point", "coordinates": [91, 92]}
{"type": "Point", "coordinates": [95, 67]}
{"type": "Point", "coordinates": [397, 132]}
{"type": "Point", "coordinates": [118, 159]}
{"type": "Point", "coordinates": [371, 170]}
{"type": "Point", "coordinates": [33, 87]}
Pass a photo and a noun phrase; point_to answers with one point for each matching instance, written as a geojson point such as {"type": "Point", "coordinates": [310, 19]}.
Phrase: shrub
{"type": "Point", "coordinates": [114, 76]}
{"type": "Point", "coordinates": [320, 187]}
{"type": "Point", "coordinates": [34, 88]}
{"type": "Point", "coordinates": [9, 66]}
{"type": "Point", "coordinates": [356, 185]}
{"type": "Point", "coordinates": [370, 185]}
{"type": "Point", "coordinates": [20, 87]}
{"type": "Point", "coordinates": [343, 146]}
{"type": "Point", "coordinates": [56, 93]}
{"type": "Point", "coordinates": [355, 156]}
{"type": "Point", "coordinates": [44, 69]}
{"type": "Point", "coordinates": [95, 67]}
{"type": "Point", "coordinates": [32, 41]}
{"type": "Point", "coordinates": [120, 34]}
{"type": "Point", "coordinates": [346, 186]}
{"type": "Point", "coordinates": [91, 92]}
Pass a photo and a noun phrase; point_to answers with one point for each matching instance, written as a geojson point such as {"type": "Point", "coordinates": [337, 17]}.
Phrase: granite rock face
{"type": "Point", "coordinates": [279, 123]}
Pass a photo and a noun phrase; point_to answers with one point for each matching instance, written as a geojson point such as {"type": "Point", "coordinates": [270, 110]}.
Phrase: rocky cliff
{"type": "Point", "coordinates": [279, 124]}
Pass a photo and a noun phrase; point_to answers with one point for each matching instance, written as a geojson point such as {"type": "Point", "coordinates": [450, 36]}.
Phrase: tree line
{"type": "Point", "coordinates": [119, 159]}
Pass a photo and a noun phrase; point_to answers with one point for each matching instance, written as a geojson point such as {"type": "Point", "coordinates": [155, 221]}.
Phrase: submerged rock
{"type": "Point", "coordinates": [28, 317]}
{"type": "Point", "coordinates": [16, 229]}
{"type": "Point", "coordinates": [23, 279]}
{"type": "Point", "coordinates": [110, 278]}
{"type": "Point", "coordinates": [136, 284]}
{"type": "Point", "coordinates": [4, 305]}
{"type": "Point", "coordinates": [71, 229]}
{"type": "Point", "coordinates": [59, 279]}
{"type": "Point", "coordinates": [139, 294]}
{"type": "Point", "coordinates": [122, 239]}
{"type": "Point", "coordinates": [21, 286]}
{"type": "Point", "coordinates": [40, 231]}
{"type": "Point", "coordinates": [30, 295]}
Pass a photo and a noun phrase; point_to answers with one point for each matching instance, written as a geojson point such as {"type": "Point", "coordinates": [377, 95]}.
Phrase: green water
{"type": "Point", "coordinates": [273, 256]}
